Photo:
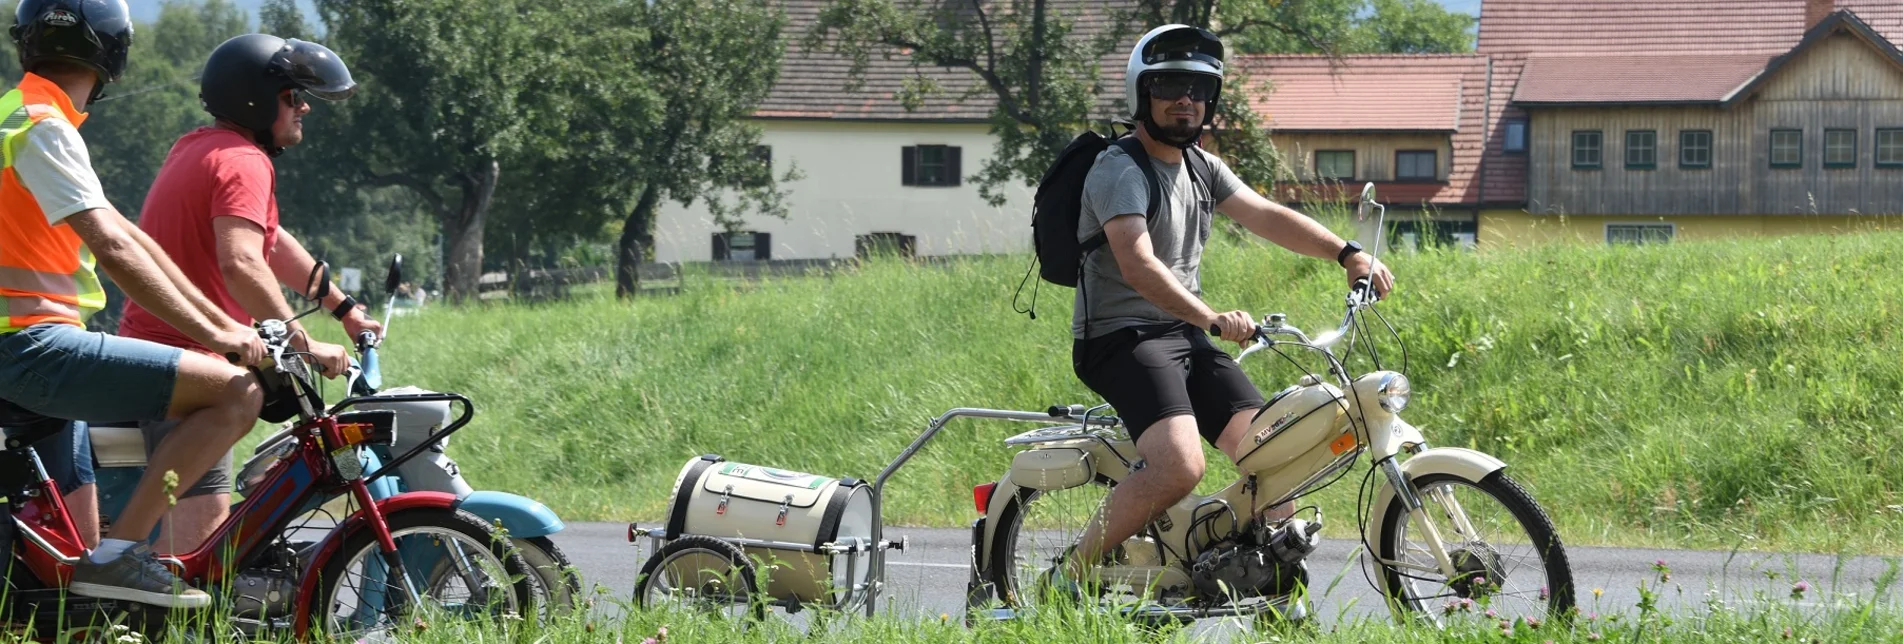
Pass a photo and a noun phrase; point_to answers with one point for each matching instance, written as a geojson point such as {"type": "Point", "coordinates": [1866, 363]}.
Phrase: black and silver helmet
{"type": "Point", "coordinates": [94, 33]}
{"type": "Point", "coordinates": [243, 77]}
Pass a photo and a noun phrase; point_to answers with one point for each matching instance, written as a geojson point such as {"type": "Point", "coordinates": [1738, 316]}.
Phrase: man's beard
{"type": "Point", "coordinates": [1170, 130]}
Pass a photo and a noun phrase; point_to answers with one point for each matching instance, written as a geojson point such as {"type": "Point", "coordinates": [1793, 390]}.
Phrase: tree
{"type": "Point", "coordinates": [667, 113]}
{"type": "Point", "coordinates": [452, 88]}
{"type": "Point", "coordinates": [1414, 27]}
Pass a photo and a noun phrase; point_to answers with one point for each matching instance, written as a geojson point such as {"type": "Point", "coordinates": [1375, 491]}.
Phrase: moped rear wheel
{"type": "Point", "coordinates": [459, 567]}
{"type": "Point", "coordinates": [1035, 529]}
{"type": "Point", "coordinates": [1507, 557]}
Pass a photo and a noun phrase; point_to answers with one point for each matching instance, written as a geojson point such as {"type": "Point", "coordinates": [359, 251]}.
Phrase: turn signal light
{"type": "Point", "coordinates": [981, 497]}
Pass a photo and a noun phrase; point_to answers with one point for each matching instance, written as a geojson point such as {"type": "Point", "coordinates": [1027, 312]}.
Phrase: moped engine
{"type": "Point", "coordinates": [1259, 563]}
{"type": "Point", "coordinates": [264, 595]}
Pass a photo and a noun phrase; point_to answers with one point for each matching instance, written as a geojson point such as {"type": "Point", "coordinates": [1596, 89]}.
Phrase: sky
{"type": "Point", "coordinates": [148, 10]}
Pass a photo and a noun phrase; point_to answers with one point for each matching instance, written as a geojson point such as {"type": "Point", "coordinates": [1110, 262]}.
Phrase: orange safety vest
{"type": "Point", "coordinates": [46, 272]}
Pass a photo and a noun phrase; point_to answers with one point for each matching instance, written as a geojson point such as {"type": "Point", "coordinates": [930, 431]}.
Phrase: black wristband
{"type": "Point", "coordinates": [343, 308]}
{"type": "Point", "coordinates": [1347, 250]}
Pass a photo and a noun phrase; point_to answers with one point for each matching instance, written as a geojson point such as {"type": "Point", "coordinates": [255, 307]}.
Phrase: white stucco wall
{"type": "Point", "coordinates": [852, 186]}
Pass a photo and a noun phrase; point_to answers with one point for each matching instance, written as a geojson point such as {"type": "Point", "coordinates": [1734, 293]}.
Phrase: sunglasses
{"type": "Point", "coordinates": [292, 99]}
{"type": "Point", "coordinates": [1197, 87]}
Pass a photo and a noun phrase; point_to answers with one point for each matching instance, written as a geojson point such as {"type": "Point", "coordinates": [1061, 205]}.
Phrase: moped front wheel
{"type": "Point", "coordinates": [1506, 558]}
{"type": "Point", "coordinates": [458, 567]}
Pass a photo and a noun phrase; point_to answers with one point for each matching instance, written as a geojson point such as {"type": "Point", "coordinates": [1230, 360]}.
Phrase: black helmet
{"type": "Point", "coordinates": [94, 33]}
{"type": "Point", "coordinates": [242, 79]}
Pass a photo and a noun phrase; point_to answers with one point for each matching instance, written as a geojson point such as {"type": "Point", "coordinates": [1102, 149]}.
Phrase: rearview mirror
{"type": "Point", "coordinates": [395, 277]}
{"type": "Point", "coordinates": [319, 286]}
{"type": "Point", "coordinates": [1367, 198]}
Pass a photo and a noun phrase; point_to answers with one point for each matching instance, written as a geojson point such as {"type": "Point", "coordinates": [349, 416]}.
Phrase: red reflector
{"type": "Point", "coordinates": [981, 497]}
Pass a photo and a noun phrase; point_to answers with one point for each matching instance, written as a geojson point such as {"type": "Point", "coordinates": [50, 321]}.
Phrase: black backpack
{"type": "Point", "coordinates": [1058, 207]}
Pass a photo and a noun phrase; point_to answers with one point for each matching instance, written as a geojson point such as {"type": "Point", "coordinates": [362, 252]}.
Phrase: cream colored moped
{"type": "Point", "coordinates": [1448, 533]}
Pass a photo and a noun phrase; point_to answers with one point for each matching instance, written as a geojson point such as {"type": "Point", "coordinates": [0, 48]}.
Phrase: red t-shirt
{"type": "Point", "coordinates": [210, 172]}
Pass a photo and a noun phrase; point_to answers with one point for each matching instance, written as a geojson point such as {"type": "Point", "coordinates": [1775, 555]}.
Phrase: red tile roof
{"type": "Point", "coordinates": [1702, 78]}
{"type": "Point", "coordinates": [1654, 27]}
{"type": "Point", "coordinates": [812, 84]}
{"type": "Point", "coordinates": [1361, 93]}
{"type": "Point", "coordinates": [1382, 92]}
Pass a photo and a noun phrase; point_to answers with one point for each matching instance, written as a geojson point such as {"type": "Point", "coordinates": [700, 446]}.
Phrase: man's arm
{"type": "Point", "coordinates": [293, 266]}
{"type": "Point", "coordinates": [134, 270]}
{"type": "Point", "coordinates": [1297, 232]}
{"type": "Point", "coordinates": [247, 276]}
{"type": "Point", "coordinates": [1281, 224]}
{"type": "Point", "coordinates": [1128, 239]}
{"type": "Point", "coordinates": [170, 269]}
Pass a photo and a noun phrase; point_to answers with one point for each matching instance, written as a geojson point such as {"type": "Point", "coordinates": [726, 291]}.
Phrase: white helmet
{"type": "Point", "coordinates": [1171, 48]}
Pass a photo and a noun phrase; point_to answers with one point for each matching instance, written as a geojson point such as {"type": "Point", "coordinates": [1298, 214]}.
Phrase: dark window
{"type": "Point", "coordinates": [871, 244]}
{"type": "Point", "coordinates": [742, 246]}
{"type": "Point", "coordinates": [1515, 136]}
{"type": "Point", "coordinates": [1694, 149]}
{"type": "Point", "coordinates": [1337, 165]}
{"type": "Point", "coordinates": [931, 165]}
{"type": "Point", "coordinates": [1416, 165]}
{"type": "Point", "coordinates": [1787, 148]}
{"type": "Point", "coordinates": [1890, 147]}
{"type": "Point", "coordinates": [1641, 149]}
{"type": "Point", "coordinates": [1588, 147]}
{"type": "Point", "coordinates": [1639, 233]}
{"type": "Point", "coordinates": [1419, 234]}
{"type": "Point", "coordinates": [1840, 148]}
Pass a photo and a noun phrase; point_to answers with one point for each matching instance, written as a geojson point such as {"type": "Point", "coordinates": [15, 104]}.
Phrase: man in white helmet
{"type": "Point", "coordinates": [1139, 321]}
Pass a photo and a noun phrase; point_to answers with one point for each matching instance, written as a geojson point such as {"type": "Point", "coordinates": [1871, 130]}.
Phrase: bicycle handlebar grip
{"type": "Point", "coordinates": [1215, 330]}
{"type": "Point", "coordinates": [1058, 411]}
{"type": "Point", "coordinates": [231, 357]}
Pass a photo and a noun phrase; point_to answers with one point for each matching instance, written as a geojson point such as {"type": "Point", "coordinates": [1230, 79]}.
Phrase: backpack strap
{"type": "Point", "coordinates": [1199, 168]}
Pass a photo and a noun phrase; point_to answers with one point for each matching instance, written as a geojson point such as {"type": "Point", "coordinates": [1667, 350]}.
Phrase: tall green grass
{"type": "Point", "coordinates": [1697, 394]}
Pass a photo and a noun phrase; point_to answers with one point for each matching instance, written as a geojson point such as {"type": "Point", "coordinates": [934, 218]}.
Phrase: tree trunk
{"type": "Point", "coordinates": [462, 233]}
{"type": "Point", "coordinates": [631, 251]}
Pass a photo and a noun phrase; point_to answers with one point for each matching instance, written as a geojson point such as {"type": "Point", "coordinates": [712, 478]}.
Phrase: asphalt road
{"type": "Point", "coordinates": [928, 579]}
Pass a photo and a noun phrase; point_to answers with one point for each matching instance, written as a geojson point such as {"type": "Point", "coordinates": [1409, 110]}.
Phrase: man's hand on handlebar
{"type": "Point", "coordinates": [1365, 265]}
{"type": "Point", "coordinates": [332, 360]}
{"type": "Point", "coordinates": [357, 321]}
{"type": "Point", "coordinates": [1234, 326]}
{"type": "Point", "coordinates": [239, 345]}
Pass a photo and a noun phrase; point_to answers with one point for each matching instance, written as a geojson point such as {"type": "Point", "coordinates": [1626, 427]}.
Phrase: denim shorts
{"type": "Point", "coordinates": [68, 456]}
{"type": "Point", "coordinates": [64, 371]}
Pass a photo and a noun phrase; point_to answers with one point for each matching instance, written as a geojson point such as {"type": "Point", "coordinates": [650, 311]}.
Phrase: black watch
{"type": "Point", "coordinates": [343, 308]}
{"type": "Point", "coordinates": [1347, 251]}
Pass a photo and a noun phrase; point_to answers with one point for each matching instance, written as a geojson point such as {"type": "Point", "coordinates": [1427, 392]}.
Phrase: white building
{"type": "Point", "coordinates": [875, 173]}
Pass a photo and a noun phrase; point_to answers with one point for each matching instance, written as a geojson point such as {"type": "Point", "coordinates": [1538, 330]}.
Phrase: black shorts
{"type": "Point", "coordinates": [1152, 373]}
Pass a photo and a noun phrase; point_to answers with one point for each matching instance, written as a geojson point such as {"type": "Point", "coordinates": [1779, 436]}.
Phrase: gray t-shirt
{"type": "Point", "coordinates": [1116, 187]}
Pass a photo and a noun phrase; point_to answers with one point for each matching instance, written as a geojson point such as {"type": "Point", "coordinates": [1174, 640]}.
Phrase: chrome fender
{"type": "Point", "coordinates": [522, 516]}
{"type": "Point", "coordinates": [1459, 461]}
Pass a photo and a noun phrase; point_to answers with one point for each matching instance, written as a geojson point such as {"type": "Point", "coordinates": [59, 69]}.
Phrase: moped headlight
{"type": "Point", "coordinates": [1394, 393]}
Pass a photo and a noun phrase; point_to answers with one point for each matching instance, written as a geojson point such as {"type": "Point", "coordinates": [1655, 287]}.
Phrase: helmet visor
{"type": "Point", "coordinates": [316, 69]}
{"type": "Point", "coordinates": [1169, 87]}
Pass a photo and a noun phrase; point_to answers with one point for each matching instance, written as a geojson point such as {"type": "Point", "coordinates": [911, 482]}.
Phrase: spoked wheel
{"type": "Point", "coordinates": [557, 582]}
{"type": "Point", "coordinates": [457, 566]}
{"type": "Point", "coordinates": [1034, 531]}
{"type": "Point", "coordinates": [1505, 553]}
{"type": "Point", "coordinates": [703, 575]}
{"type": "Point", "coordinates": [554, 584]}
